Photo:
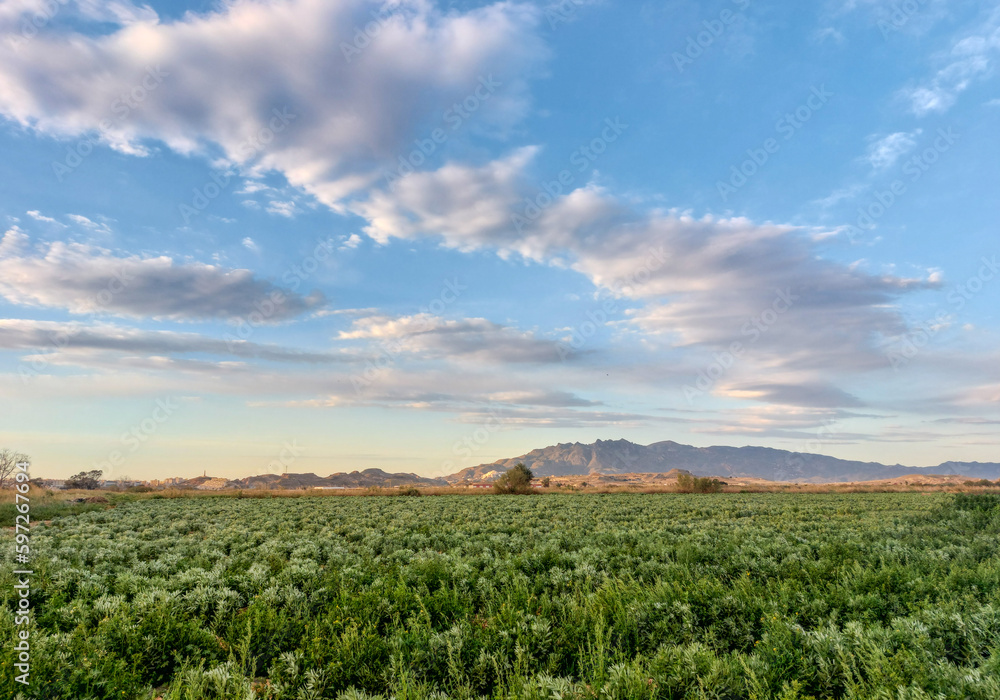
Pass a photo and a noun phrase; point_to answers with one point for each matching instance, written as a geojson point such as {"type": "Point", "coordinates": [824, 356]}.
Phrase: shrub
{"type": "Point", "coordinates": [409, 491]}
{"type": "Point", "coordinates": [688, 483]}
{"type": "Point", "coordinates": [516, 480]}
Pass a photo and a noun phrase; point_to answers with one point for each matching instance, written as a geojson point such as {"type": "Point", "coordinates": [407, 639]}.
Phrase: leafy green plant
{"type": "Point", "coordinates": [790, 596]}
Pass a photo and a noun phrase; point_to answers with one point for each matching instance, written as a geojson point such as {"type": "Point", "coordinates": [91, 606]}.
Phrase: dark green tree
{"type": "Point", "coordinates": [85, 480]}
{"type": "Point", "coordinates": [515, 480]}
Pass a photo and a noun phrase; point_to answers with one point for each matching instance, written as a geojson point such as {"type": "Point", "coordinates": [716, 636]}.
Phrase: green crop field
{"type": "Point", "coordinates": [865, 596]}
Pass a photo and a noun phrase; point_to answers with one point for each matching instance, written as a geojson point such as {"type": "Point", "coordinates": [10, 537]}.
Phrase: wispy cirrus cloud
{"type": "Point", "coordinates": [972, 56]}
{"type": "Point", "coordinates": [885, 151]}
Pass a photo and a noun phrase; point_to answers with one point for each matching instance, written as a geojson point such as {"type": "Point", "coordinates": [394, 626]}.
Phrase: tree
{"type": "Point", "coordinates": [545, 482]}
{"type": "Point", "coordinates": [85, 480]}
{"type": "Point", "coordinates": [9, 459]}
{"type": "Point", "coordinates": [516, 480]}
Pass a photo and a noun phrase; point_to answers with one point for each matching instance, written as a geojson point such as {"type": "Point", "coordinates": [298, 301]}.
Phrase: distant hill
{"type": "Point", "coordinates": [356, 479]}
{"type": "Point", "coordinates": [624, 457]}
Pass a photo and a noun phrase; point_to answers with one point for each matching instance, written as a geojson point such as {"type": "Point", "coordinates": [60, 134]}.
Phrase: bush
{"type": "Point", "coordinates": [409, 491]}
{"type": "Point", "coordinates": [516, 480]}
{"type": "Point", "coordinates": [688, 483]}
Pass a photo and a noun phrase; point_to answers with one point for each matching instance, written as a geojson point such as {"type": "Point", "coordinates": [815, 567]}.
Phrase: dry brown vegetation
{"type": "Point", "coordinates": [560, 487]}
{"type": "Point", "coordinates": [50, 503]}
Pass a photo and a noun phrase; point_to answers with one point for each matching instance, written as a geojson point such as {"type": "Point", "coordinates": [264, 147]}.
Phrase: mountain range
{"type": "Point", "coordinates": [617, 457]}
{"type": "Point", "coordinates": [624, 457]}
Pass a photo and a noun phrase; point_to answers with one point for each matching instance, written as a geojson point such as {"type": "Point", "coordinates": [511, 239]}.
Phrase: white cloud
{"type": "Point", "coordinates": [839, 195]}
{"type": "Point", "coordinates": [353, 241]}
{"type": "Point", "coordinates": [38, 216]}
{"type": "Point", "coordinates": [471, 339]}
{"type": "Point", "coordinates": [85, 280]}
{"type": "Point", "coordinates": [286, 209]}
{"type": "Point", "coordinates": [469, 206]}
{"type": "Point", "coordinates": [330, 122]}
{"type": "Point", "coordinates": [884, 152]}
{"type": "Point", "coordinates": [104, 344]}
{"type": "Point", "coordinates": [21, 19]}
{"type": "Point", "coordinates": [700, 282]}
{"type": "Point", "coordinates": [971, 57]}
{"type": "Point", "coordinates": [94, 226]}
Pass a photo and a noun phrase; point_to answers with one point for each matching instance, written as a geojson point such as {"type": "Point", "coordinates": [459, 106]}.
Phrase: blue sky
{"type": "Point", "coordinates": [419, 236]}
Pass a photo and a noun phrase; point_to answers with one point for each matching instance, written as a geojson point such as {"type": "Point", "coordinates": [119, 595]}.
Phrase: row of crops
{"type": "Point", "coordinates": [863, 596]}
